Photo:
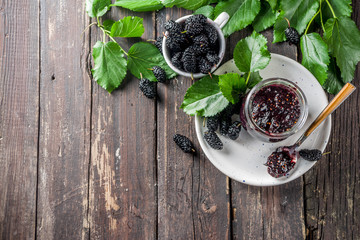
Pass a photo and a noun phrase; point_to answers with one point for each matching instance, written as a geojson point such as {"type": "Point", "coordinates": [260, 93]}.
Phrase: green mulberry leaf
{"type": "Point", "coordinates": [315, 56]}
{"type": "Point", "coordinates": [207, 11]}
{"type": "Point", "coordinates": [107, 24]}
{"type": "Point", "coordinates": [110, 65]}
{"type": "Point", "coordinates": [204, 98]}
{"type": "Point", "coordinates": [340, 7]}
{"type": "Point", "coordinates": [266, 17]}
{"type": "Point", "coordinates": [128, 27]}
{"type": "Point", "coordinates": [242, 13]}
{"type": "Point", "coordinates": [97, 8]}
{"type": "Point", "coordinates": [343, 38]}
{"type": "Point", "coordinates": [144, 56]}
{"type": "Point", "coordinates": [139, 5]}
{"type": "Point", "coordinates": [273, 4]}
{"type": "Point", "coordinates": [299, 13]}
{"type": "Point", "coordinates": [333, 83]}
{"type": "Point", "coordinates": [254, 79]}
{"type": "Point", "coordinates": [187, 4]}
{"type": "Point", "coordinates": [231, 86]}
{"type": "Point", "coordinates": [251, 54]}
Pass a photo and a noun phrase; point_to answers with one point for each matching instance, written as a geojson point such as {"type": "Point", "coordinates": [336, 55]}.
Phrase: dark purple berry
{"type": "Point", "coordinates": [292, 35]}
{"type": "Point", "coordinates": [184, 143]}
{"type": "Point", "coordinates": [148, 88]}
{"type": "Point", "coordinates": [172, 27]}
{"type": "Point", "coordinates": [234, 130]}
{"type": "Point", "coordinates": [211, 33]}
{"type": "Point", "coordinates": [176, 60]}
{"type": "Point", "coordinates": [158, 43]}
{"type": "Point", "coordinates": [311, 155]}
{"type": "Point", "coordinates": [159, 74]}
{"type": "Point", "coordinates": [213, 140]}
{"type": "Point", "coordinates": [204, 66]}
{"type": "Point", "coordinates": [212, 57]}
{"type": "Point", "coordinates": [212, 123]}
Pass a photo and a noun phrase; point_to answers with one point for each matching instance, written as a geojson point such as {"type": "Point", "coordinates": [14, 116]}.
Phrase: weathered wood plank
{"type": "Point", "coordinates": [64, 121]}
{"type": "Point", "coordinates": [333, 185]}
{"type": "Point", "coordinates": [123, 157]}
{"type": "Point", "coordinates": [192, 193]}
{"type": "Point", "coordinates": [19, 116]}
{"type": "Point", "coordinates": [268, 212]}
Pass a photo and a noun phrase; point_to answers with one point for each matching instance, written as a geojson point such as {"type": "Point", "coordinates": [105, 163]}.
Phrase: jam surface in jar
{"type": "Point", "coordinates": [275, 108]}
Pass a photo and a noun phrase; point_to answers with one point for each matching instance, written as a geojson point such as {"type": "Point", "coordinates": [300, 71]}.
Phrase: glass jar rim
{"type": "Point", "coordinates": [297, 91]}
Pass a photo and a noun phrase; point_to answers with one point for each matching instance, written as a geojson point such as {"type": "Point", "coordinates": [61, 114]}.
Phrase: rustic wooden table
{"type": "Point", "coordinates": [79, 163]}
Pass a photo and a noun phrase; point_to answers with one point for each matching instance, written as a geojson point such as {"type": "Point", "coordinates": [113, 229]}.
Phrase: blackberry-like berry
{"type": "Point", "coordinates": [172, 27]}
{"type": "Point", "coordinates": [194, 25]}
{"type": "Point", "coordinates": [204, 66]}
{"type": "Point", "coordinates": [292, 35]}
{"type": "Point", "coordinates": [176, 60]}
{"type": "Point", "coordinates": [158, 43]}
{"type": "Point", "coordinates": [201, 44]}
{"type": "Point", "coordinates": [234, 130]}
{"type": "Point", "coordinates": [213, 140]}
{"type": "Point", "coordinates": [184, 143]}
{"type": "Point", "coordinates": [173, 44]}
{"type": "Point", "coordinates": [212, 123]}
{"type": "Point", "coordinates": [199, 18]}
{"type": "Point", "coordinates": [311, 155]}
{"type": "Point", "coordinates": [189, 60]}
{"type": "Point", "coordinates": [159, 74]}
{"type": "Point", "coordinates": [224, 126]}
{"type": "Point", "coordinates": [148, 88]}
{"type": "Point", "coordinates": [211, 33]}
{"type": "Point", "coordinates": [212, 57]}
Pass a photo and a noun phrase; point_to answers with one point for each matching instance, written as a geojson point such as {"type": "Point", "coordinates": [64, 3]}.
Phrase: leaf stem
{"type": "Point", "coordinates": [321, 19]}
{"type": "Point", "coordinates": [331, 9]}
{"type": "Point", "coordinates": [118, 44]}
{"type": "Point", "coordinates": [91, 24]}
{"type": "Point", "coordinates": [307, 28]}
{"type": "Point", "coordinates": [247, 79]}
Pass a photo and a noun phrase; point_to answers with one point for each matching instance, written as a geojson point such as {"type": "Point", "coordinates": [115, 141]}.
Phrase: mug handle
{"type": "Point", "coordinates": [222, 19]}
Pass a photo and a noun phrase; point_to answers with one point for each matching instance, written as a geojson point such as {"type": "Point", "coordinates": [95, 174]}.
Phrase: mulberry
{"type": "Point", "coordinates": [184, 143]}
{"type": "Point", "coordinates": [234, 130]}
{"type": "Point", "coordinates": [176, 60]}
{"type": "Point", "coordinates": [148, 88]}
{"type": "Point", "coordinates": [292, 35]}
{"type": "Point", "coordinates": [159, 74]}
{"type": "Point", "coordinates": [213, 140]}
{"type": "Point", "coordinates": [212, 123]}
{"type": "Point", "coordinates": [311, 155]}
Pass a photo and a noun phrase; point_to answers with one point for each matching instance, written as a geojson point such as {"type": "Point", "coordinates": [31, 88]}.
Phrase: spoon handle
{"type": "Point", "coordinates": [335, 103]}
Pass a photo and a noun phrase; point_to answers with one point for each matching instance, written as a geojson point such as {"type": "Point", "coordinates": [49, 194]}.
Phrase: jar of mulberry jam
{"type": "Point", "coordinates": [274, 109]}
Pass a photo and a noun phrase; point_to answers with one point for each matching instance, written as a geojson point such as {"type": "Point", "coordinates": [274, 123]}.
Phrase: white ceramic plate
{"type": "Point", "coordinates": [243, 160]}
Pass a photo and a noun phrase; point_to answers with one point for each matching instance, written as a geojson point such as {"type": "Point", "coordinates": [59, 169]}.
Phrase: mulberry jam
{"type": "Point", "coordinates": [274, 109]}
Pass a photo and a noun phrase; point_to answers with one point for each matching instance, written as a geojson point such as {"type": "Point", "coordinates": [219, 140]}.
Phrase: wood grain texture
{"type": "Point", "coordinates": [332, 187]}
{"type": "Point", "coordinates": [268, 212]}
{"type": "Point", "coordinates": [192, 193]}
{"type": "Point", "coordinates": [123, 157]}
{"type": "Point", "coordinates": [64, 121]}
{"type": "Point", "coordinates": [19, 107]}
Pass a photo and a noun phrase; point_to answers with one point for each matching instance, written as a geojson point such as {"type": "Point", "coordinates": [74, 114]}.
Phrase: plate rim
{"type": "Point", "coordinates": [229, 174]}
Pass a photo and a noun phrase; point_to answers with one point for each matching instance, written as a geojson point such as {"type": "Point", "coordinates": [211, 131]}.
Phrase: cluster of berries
{"type": "Point", "coordinates": [193, 45]}
{"type": "Point", "coordinates": [227, 127]}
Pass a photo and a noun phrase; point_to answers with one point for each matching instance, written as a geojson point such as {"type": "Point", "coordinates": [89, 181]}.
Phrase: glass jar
{"type": "Point", "coordinates": [274, 109]}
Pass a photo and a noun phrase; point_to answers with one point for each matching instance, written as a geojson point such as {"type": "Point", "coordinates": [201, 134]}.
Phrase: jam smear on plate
{"type": "Point", "coordinates": [275, 108]}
